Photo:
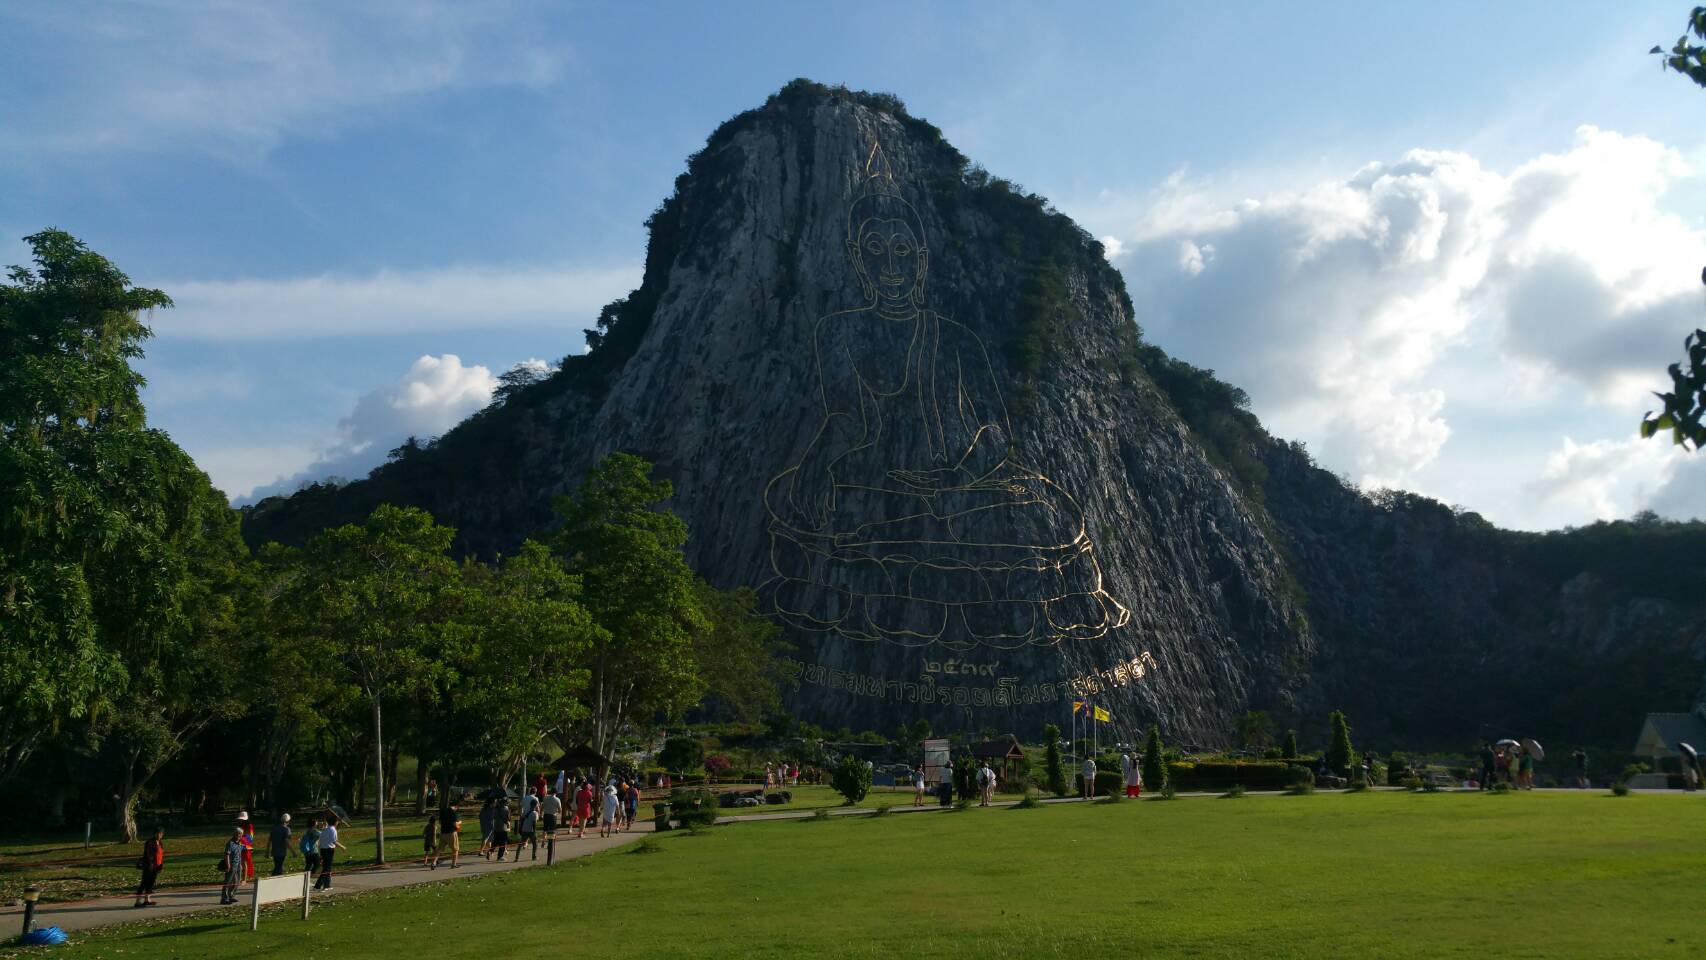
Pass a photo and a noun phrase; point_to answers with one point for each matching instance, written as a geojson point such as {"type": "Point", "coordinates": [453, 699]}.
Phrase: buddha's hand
{"type": "Point", "coordinates": [931, 481]}
{"type": "Point", "coordinates": [811, 501]}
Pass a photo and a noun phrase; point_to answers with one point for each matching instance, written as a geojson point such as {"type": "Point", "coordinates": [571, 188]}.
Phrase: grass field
{"type": "Point", "coordinates": [1378, 875]}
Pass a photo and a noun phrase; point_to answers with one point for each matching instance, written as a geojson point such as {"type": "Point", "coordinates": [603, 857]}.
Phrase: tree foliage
{"type": "Point", "coordinates": [1053, 769]}
{"type": "Point", "coordinates": [1685, 57]}
{"type": "Point", "coordinates": [851, 779]}
{"type": "Point", "coordinates": [1685, 402]}
{"type": "Point", "coordinates": [1339, 751]}
{"type": "Point", "coordinates": [1154, 764]}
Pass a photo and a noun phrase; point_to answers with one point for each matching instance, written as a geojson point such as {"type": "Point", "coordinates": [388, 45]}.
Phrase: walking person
{"type": "Point", "coordinates": [500, 830]}
{"type": "Point", "coordinates": [986, 784]}
{"type": "Point", "coordinates": [449, 836]}
{"type": "Point", "coordinates": [310, 846]}
{"type": "Point", "coordinates": [278, 845]}
{"type": "Point", "coordinates": [551, 811]}
{"type": "Point", "coordinates": [1133, 775]}
{"type": "Point", "coordinates": [1488, 761]}
{"type": "Point", "coordinates": [1581, 758]}
{"type": "Point", "coordinates": [233, 866]}
{"type": "Point", "coordinates": [486, 813]}
{"type": "Point", "coordinates": [248, 828]}
{"type": "Point", "coordinates": [918, 786]}
{"type": "Point", "coordinates": [607, 817]}
{"type": "Point", "coordinates": [631, 804]}
{"type": "Point", "coordinates": [1088, 774]}
{"type": "Point", "coordinates": [1525, 770]}
{"type": "Point", "coordinates": [153, 860]}
{"type": "Point", "coordinates": [429, 840]}
{"type": "Point", "coordinates": [583, 807]}
{"type": "Point", "coordinates": [329, 847]}
{"type": "Point", "coordinates": [528, 828]}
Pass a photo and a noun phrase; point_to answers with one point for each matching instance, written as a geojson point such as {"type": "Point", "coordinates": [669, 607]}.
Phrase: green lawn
{"type": "Point", "coordinates": [1376, 875]}
{"type": "Point", "coordinates": [66, 871]}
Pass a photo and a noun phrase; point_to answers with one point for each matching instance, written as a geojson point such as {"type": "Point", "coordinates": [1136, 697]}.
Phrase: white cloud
{"type": "Point", "coordinates": [1599, 480]}
{"type": "Point", "coordinates": [447, 298]}
{"type": "Point", "coordinates": [240, 78]}
{"type": "Point", "coordinates": [1358, 312]}
{"type": "Point", "coordinates": [436, 394]}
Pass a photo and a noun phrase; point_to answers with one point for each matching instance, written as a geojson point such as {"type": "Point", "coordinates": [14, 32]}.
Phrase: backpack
{"type": "Point", "coordinates": [310, 842]}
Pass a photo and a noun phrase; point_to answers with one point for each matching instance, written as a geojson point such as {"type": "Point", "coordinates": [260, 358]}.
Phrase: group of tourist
{"type": "Point", "coordinates": [1507, 762]}
{"type": "Point", "coordinates": [318, 846]}
{"type": "Point", "coordinates": [572, 803]}
{"type": "Point", "coordinates": [781, 775]}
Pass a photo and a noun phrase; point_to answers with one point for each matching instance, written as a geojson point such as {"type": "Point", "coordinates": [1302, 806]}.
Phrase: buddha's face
{"type": "Point", "coordinates": [890, 260]}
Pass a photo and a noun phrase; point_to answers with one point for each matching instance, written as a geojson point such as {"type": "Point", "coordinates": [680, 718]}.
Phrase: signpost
{"type": "Point", "coordinates": [935, 760]}
{"type": "Point", "coordinates": [274, 889]}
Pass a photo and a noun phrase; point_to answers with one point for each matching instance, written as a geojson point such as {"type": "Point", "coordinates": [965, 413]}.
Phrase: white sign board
{"type": "Point", "coordinates": [276, 889]}
{"type": "Point", "coordinates": [935, 761]}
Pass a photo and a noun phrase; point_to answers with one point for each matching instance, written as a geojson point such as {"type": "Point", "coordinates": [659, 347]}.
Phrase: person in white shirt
{"type": "Point", "coordinates": [607, 817]}
{"type": "Point", "coordinates": [329, 845]}
{"type": "Point", "coordinates": [986, 783]}
{"type": "Point", "coordinates": [918, 786]}
{"type": "Point", "coordinates": [1089, 773]}
{"type": "Point", "coordinates": [1133, 775]}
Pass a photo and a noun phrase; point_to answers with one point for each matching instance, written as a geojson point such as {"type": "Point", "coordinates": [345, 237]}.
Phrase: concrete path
{"type": "Point", "coordinates": [107, 911]}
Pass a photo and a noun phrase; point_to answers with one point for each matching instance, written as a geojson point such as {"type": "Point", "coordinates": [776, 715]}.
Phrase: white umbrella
{"type": "Point", "coordinates": [1507, 742]}
{"type": "Point", "coordinates": [1533, 746]}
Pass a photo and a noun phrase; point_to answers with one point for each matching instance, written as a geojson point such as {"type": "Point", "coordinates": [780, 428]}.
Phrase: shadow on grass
{"type": "Point", "coordinates": [181, 931]}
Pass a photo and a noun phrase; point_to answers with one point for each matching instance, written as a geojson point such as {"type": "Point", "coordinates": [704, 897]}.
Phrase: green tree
{"type": "Point", "coordinates": [1339, 750]}
{"type": "Point", "coordinates": [1288, 750]}
{"type": "Point", "coordinates": [1053, 769]}
{"type": "Point", "coordinates": [523, 674]}
{"type": "Point", "coordinates": [738, 654]}
{"type": "Point", "coordinates": [851, 779]}
{"type": "Point", "coordinates": [1685, 402]}
{"type": "Point", "coordinates": [640, 590]}
{"type": "Point", "coordinates": [682, 755]}
{"type": "Point", "coordinates": [1154, 764]}
{"type": "Point", "coordinates": [1688, 59]}
{"type": "Point", "coordinates": [378, 602]}
{"type": "Point", "coordinates": [88, 494]}
{"type": "Point", "coordinates": [1255, 729]}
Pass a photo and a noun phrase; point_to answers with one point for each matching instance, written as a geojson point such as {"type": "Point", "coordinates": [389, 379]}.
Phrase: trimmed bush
{"type": "Point", "coordinates": [1053, 772]}
{"type": "Point", "coordinates": [1167, 792]}
{"type": "Point", "coordinates": [1234, 793]}
{"type": "Point", "coordinates": [852, 779]}
{"type": "Point", "coordinates": [1029, 802]}
{"type": "Point", "coordinates": [693, 808]}
{"type": "Point", "coordinates": [1154, 763]}
{"type": "Point", "coordinates": [1618, 789]}
{"type": "Point", "coordinates": [1340, 754]}
{"type": "Point", "coordinates": [1218, 775]}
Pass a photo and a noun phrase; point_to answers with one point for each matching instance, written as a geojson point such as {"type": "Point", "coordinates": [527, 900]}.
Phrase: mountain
{"type": "Point", "coordinates": [910, 403]}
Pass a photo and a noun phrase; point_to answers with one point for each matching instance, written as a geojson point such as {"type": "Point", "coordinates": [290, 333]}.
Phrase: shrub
{"type": "Point", "coordinates": [820, 814]}
{"type": "Point", "coordinates": [1107, 782]}
{"type": "Point", "coordinates": [648, 845]}
{"type": "Point", "coordinates": [1234, 793]}
{"type": "Point", "coordinates": [1361, 786]}
{"type": "Point", "coordinates": [1339, 751]}
{"type": "Point", "coordinates": [715, 764]}
{"type": "Point", "coordinates": [1221, 774]}
{"type": "Point", "coordinates": [1302, 789]}
{"type": "Point", "coordinates": [1428, 786]}
{"type": "Point", "coordinates": [1398, 771]}
{"type": "Point", "coordinates": [1052, 769]}
{"type": "Point", "coordinates": [1112, 796]}
{"type": "Point", "coordinates": [1167, 792]}
{"type": "Point", "coordinates": [693, 808]}
{"type": "Point", "coordinates": [1154, 764]}
{"type": "Point", "coordinates": [1413, 782]}
{"type": "Point", "coordinates": [1288, 749]}
{"type": "Point", "coordinates": [1618, 789]}
{"type": "Point", "coordinates": [881, 811]}
{"type": "Point", "coordinates": [1028, 802]}
{"type": "Point", "coordinates": [852, 779]}
{"type": "Point", "coordinates": [962, 804]}
{"type": "Point", "coordinates": [1501, 787]}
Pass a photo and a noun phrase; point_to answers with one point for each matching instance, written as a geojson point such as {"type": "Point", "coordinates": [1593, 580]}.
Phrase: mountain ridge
{"type": "Point", "coordinates": [1254, 579]}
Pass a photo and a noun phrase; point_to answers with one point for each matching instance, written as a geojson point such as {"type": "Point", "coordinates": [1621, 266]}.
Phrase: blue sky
{"type": "Point", "coordinates": [1447, 247]}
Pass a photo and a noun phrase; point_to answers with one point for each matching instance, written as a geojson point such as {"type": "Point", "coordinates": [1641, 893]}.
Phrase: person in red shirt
{"type": "Point", "coordinates": [152, 862]}
{"type": "Point", "coordinates": [248, 827]}
{"type": "Point", "coordinates": [539, 786]}
{"type": "Point", "coordinates": [583, 808]}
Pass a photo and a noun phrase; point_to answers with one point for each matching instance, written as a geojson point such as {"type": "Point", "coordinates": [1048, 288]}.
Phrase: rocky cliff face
{"type": "Point", "coordinates": [911, 405]}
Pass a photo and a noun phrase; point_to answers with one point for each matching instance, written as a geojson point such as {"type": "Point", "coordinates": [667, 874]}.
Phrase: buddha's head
{"type": "Point", "coordinates": [885, 241]}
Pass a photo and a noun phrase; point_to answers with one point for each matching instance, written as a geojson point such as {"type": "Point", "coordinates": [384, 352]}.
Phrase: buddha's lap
{"type": "Point", "coordinates": [910, 620]}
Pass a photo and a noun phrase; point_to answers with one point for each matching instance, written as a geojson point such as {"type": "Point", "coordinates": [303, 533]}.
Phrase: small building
{"type": "Point", "coordinates": [1002, 753]}
{"type": "Point", "coordinates": [1657, 745]}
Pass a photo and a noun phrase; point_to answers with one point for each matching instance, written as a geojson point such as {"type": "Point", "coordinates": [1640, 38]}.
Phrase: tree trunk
{"type": "Point", "coordinates": [392, 757]}
{"type": "Point", "coordinates": [421, 770]}
{"type": "Point", "coordinates": [124, 803]}
{"type": "Point", "coordinates": [379, 784]}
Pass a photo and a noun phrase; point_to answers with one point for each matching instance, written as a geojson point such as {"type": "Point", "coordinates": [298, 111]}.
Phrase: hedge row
{"type": "Point", "coordinates": [1223, 774]}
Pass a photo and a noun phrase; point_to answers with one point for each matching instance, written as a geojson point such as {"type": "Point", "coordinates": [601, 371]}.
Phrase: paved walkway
{"type": "Point", "coordinates": [106, 911]}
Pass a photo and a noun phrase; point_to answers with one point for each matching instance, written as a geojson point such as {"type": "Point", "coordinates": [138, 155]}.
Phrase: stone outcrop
{"type": "Point", "coordinates": [1015, 507]}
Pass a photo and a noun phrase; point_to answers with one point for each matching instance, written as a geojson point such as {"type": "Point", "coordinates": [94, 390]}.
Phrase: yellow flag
{"type": "Point", "coordinates": [1103, 715]}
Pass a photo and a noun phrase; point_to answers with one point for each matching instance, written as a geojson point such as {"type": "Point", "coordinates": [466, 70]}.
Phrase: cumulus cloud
{"type": "Point", "coordinates": [436, 394]}
{"type": "Point", "coordinates": [1599, 479]}
{"type": "Point", "coordinates": [238, 79]}
{"type": "Point", "coordinates": [1350, 311]}
{"type": "Point", "coordinates": [391, 301]}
